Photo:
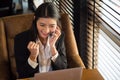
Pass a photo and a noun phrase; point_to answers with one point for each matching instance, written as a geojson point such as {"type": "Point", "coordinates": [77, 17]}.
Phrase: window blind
{"type": "Point", "coordinates": [92, 33]}
{"type": "Point", "coordinates": [66, 6]}
{"type": "Point", "coordinates": [106, 15]}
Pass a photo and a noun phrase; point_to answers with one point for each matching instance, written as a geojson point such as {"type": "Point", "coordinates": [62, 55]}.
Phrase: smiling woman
{"type": "Point", "coordinates": [35, 51]}
{"type": "Point", "coordinates": [45, 26]}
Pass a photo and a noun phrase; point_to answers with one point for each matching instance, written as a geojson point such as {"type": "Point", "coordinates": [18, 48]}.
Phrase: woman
{"type": "Point", "coordinates": [41, 49]}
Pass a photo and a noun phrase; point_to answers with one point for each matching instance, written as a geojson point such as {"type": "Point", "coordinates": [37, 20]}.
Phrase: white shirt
{"type": "Point", "coordinates": [46, 58]}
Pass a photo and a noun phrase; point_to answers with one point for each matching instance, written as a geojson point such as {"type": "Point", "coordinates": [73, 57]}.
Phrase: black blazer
{"type": "Point", "coordinates": [22, 53]}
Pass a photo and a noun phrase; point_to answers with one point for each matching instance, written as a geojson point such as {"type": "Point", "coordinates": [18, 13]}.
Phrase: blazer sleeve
{"type": "Point", "coordinates": [21, 56]}
{"type": "Point", "coordinates": [61, 61]}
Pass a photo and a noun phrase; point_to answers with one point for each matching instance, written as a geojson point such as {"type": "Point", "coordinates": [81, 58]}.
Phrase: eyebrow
{"type": "Point", "coordinates": [44, 23]}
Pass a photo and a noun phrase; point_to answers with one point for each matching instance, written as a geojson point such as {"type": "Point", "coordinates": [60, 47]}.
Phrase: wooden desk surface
{"type": "Point", "coordinates": [91, 74]}
{"type": "Point", "coordinates": [88, 74]}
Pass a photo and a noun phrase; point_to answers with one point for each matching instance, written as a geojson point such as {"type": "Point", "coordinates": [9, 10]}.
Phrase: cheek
{"type": "Point", "coordinates": [39, 28]}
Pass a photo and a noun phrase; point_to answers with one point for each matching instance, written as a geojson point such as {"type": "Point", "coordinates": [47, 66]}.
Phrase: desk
{"type": "Point", "coordinates": [91, 74]}
{"type": "Point", "coordinates": [88, 74]}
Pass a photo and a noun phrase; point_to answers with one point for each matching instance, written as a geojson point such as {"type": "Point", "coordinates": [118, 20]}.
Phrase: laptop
{"type": "Point", "coordinates": [65, 74]}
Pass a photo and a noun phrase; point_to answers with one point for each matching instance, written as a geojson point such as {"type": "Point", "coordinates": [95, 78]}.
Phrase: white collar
{"type": "Point", "coordinates": [40, 43]}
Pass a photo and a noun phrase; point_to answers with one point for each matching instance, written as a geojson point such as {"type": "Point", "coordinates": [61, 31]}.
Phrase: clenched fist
{"type": "Point", "coordinates": [34, 50]}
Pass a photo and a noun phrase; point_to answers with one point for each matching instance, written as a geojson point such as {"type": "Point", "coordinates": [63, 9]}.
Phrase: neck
{"type": "Point", "coordinates": [43, 41]}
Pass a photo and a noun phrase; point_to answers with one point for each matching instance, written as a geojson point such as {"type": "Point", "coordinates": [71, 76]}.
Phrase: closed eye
{"type": "Point", "coordinates": [42, 24]}
{"type": "Point", "coordinates": [53, 25]}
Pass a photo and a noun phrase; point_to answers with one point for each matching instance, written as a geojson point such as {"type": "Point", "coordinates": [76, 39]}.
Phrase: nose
{"type": "Point", "coordinates": [47, 29]}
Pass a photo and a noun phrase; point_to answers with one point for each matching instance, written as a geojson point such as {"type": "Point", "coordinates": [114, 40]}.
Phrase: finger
{"type": "Point", "coordinates": [58, 31]}
{"type": "Point", "coordinates": [29, 44]}
{"type": "Point", "coordinates": [36, 46]}
{"type": "Point", "coordinates": [32, 45]}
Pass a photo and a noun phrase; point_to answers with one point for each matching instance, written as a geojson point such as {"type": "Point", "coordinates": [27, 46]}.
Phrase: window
{"type": "Point", "coordinates": [108, 57]}
{"type": "Point", "coordinates": [106, 14]}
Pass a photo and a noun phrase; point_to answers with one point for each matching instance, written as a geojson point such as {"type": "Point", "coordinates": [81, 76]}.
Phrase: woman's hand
{"type": "Point", "coordinates": [53, 40]}
{"type": "Point", "coordinates": [55, 36]}
{"type": "Point", "coordinates": [34, 50]}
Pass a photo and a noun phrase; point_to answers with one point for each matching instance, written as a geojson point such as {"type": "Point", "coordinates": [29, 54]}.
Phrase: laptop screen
{"type": "Point", "coordinates": [64, 74]}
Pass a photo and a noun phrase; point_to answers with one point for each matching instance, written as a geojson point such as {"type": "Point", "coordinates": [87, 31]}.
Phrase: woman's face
{"type": "Point", "coordinates": [45, 26]}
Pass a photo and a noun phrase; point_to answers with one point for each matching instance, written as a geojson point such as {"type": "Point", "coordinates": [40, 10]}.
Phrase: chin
{"type": "Point", "coordinates": [44, 37]}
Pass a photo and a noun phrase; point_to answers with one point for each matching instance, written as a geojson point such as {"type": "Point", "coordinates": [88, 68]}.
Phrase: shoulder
{"type": "Point", "coordinates": [22, 35]}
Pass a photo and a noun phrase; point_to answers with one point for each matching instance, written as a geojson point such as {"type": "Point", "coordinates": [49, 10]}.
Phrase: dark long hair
{"type": "Point", "coordinates": [45, 10]}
